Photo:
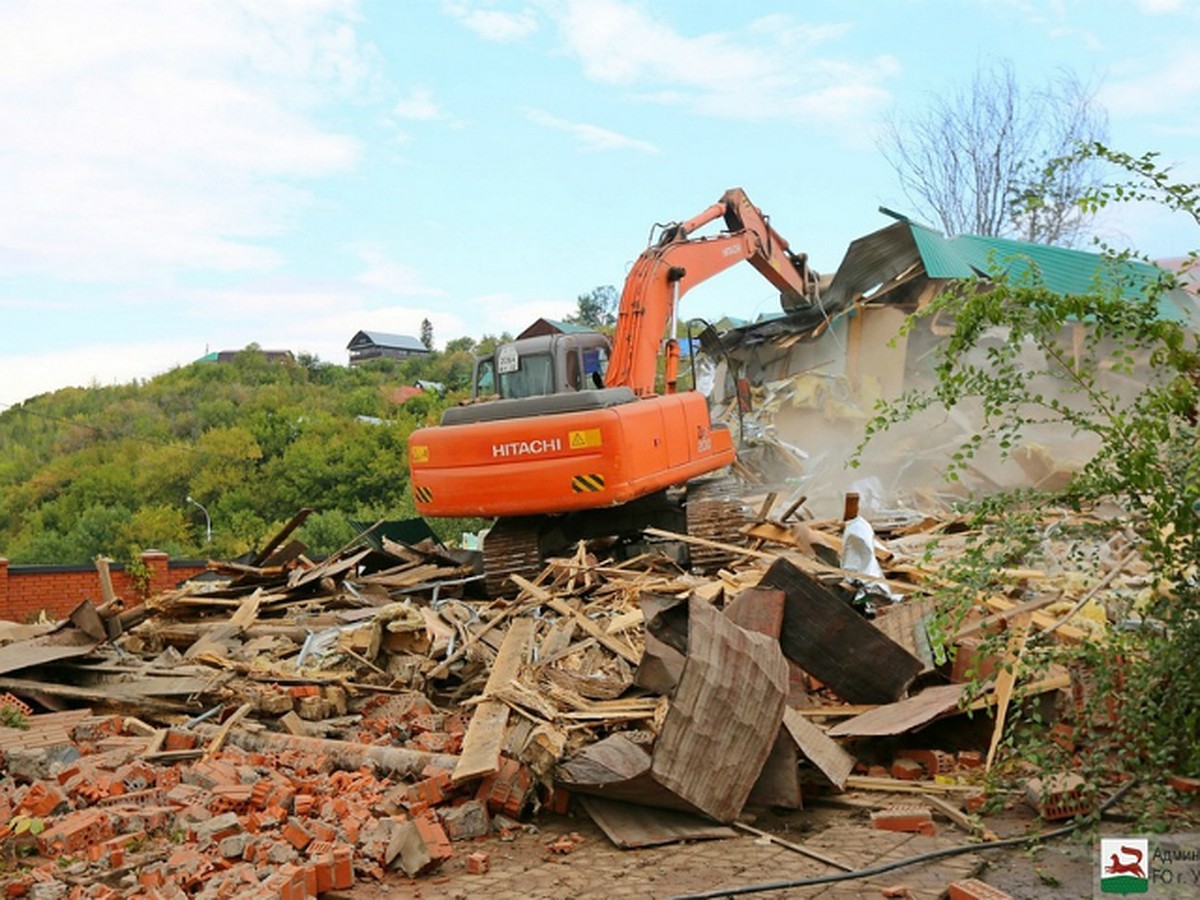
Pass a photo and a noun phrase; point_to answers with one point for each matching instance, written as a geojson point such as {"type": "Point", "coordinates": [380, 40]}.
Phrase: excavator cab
{"type": "Point", "coordinates": [542, 365]}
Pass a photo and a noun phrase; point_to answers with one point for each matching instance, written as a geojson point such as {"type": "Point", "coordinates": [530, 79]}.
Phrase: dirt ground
{"type": "Point", "coordinates": [524, 866]}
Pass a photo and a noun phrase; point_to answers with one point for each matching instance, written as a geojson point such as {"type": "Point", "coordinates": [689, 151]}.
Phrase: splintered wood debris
{"type": "Point", "coordinates": [629, 680]}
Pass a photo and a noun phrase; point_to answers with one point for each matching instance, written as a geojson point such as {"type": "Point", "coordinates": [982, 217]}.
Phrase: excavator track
{"type": "Point", "coordinates": [714, 513]}
{"type": "Point", "coordinates": [511, 547]}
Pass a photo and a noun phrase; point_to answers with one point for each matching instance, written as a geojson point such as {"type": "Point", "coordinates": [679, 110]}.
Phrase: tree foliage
{"type": "Point", "coordinates": [976, 161]}
{"type": "Point", "coordinates": [1010, 340]}
{"type": "Point", "coordinates": [106, 470]}
{"type": "Point", "coordinates": [596, 310]}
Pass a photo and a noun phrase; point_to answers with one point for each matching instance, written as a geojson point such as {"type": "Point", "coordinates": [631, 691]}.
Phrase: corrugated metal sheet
{"type": "Point", "coordinates": [870, 261]}
{"type": "Point", "coordinates": [1059, 269]}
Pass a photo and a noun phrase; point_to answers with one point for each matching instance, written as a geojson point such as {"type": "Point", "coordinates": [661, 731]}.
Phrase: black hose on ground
{"type": "Point", "coordinates": [902, 863]}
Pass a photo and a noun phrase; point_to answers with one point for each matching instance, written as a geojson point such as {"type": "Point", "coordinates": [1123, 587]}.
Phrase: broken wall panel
{"type": "Point", "coordinates": [832, 642]}
{"type": "Point", "coordinates": [724, 717]}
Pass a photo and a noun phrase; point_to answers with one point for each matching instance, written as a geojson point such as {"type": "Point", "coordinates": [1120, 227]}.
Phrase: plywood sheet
{"type": "Point", "coordinates": [898, 718]}
{"type": "Point", "coordinates": [821, 750]}
{"type": "Point", "coordinates": [724, 717]}
{"type": "Point", "coordinates": [630, 826]}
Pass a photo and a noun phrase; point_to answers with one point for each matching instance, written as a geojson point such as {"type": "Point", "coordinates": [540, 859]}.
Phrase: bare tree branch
{"type": "Point", "coordinates": [977, 161]}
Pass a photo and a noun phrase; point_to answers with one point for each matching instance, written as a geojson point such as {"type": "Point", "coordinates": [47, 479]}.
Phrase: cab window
{"type": "Point", "coordinates": [534, 377]}
{"type": "Point", "coordinates": [485, 378]}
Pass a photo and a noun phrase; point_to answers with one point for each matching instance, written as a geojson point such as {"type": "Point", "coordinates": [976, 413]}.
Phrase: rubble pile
{"type": "Point", "coordinates": [285, 727]}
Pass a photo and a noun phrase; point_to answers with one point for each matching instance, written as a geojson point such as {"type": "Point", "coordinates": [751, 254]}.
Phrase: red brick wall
{"type": "Point", "coordinates": [25, 590]}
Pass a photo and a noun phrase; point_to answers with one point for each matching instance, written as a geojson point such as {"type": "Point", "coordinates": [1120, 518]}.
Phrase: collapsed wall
{"type": "Point", "coordinates": [806, 398]}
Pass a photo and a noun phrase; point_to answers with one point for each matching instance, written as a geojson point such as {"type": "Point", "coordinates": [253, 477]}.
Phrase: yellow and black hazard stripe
{"type": "Point", "coordinates": [587, 484]}
{"type": "Point", "coordinates": [423, 494]}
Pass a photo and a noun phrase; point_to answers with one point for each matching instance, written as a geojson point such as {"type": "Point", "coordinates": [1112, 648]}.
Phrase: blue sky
{"type": "Point", "coordinates": [183, 176]}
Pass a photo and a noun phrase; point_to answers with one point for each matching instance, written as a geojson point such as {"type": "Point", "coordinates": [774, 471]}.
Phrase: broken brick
{"type": "Point", "coordinates": [934, 762]}
{"type": "Point", "coordinates": [904, 818]}
{"type": "Point", "coordinates": [1058, 796]}
{"type": "Point", "coordinates": [974, 889]}
{"type": "Point", "coordinates": [907, 769]}
{"type": "Point", "coordinates": [479, 863]}
{"type": "Point", "coordinates": [43, 799]}
{"type": "Point", "coordinates": [421, 845]}
{"type": "Point", "coordinates": [296, 834]}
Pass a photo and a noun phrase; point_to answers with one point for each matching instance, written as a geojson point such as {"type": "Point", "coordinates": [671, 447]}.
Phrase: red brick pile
{"type": "Point", "coordinates": [253, 825]}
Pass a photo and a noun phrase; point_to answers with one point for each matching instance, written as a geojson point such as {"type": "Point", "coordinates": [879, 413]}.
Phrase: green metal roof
{"type": "Point", "coordinates": [1059, 269]}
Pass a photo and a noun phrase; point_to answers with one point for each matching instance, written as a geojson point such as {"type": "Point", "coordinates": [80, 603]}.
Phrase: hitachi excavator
{"type": "Point", "coordinates": [566, 439]}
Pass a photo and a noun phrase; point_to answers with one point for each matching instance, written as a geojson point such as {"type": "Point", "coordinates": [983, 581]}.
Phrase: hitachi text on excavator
{"type": "Point", "coordinates": [565, 437]}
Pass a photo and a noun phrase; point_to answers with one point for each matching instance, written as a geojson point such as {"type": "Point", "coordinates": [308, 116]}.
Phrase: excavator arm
{"type": "Point", "coordinates": [678, 262]}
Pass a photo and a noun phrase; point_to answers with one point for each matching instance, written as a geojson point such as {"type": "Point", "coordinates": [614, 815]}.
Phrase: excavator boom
{"type": "Point", "coordinates": [676, 263]}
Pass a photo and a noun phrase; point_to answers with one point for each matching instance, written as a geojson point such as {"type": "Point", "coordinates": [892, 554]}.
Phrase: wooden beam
{"type": "Point", "coordinates": [1005, 682]}
{"type": "Point", "coordinates": [614, 644]}
{"type": "Point", "coordinates": [485, 735]}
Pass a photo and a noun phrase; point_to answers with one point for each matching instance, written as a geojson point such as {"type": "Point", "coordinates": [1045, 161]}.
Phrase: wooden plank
{"type": "Point", "coordinates": [906, 715]}
{"type": "Point", "coordinates": [107, 594]}
{"type": "Point", "coordinates": [900, 786]}
{"type": "Point", "coordinates": [614, 644]}
{"type": "Point", "coordinates": [823, 751]}
{"type": "Point", "coordinates": [295, 522]}
{"type": "Point", "coordinates": [829, 640]}
{"type": "Point", "coordinates": [64, 644]}
{"type": "Point", "coordinates": [534, 600]}
{"type": "Point", "coordinates": [958, 817]}
{"type": "Point", "coordinates": [485, 735]}
{"type": "Point", "coordinates": [1005, 682]}
{"type": "Point", "coordinates": [1041, 619]}
{"type": "Point", "coordinates": [778, 784]}
{"type": "Point", "coordinates": [795, 848]}
{"type": "Point", "coordinates": [905, 623]}
{"type": "Point", "coordinates": [218, 739]}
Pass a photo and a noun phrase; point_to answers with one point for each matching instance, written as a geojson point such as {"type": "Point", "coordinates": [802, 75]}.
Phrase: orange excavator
{"type": "Point", "coordinates": [566, 438]}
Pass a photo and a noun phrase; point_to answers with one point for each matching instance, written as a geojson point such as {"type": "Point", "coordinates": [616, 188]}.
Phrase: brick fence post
{"type": "Point", "coordinates": [160, 578]}
{"type": "Point", "coordinates": [5, 611]}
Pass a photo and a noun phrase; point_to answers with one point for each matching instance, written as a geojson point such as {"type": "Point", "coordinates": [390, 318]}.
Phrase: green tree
{"type": "Point", "coordinates": [597, 310]}
{"type": "Point", "coordinates": [427, 334]}
{"type": "Point", "coordinates": [1011, 338]}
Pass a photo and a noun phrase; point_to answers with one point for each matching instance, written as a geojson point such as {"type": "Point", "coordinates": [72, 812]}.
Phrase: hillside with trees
{"type": "Point", "coordinates": [109, 470]}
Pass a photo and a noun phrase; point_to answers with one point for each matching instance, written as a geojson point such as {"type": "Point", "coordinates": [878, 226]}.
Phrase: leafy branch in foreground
{"type": "Point", "coordinates": [1118, 368]}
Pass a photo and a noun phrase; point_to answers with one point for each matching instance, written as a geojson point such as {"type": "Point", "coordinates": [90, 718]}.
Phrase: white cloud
{"type": "Point", "coordinates": [493, 24]}
{"type": "Point", "coordinates": [515, 316]}
{"type": "Point", "coordinates": [419, 105]}
{"type": "Point", "coordinates": [752, 74]}
{"type": "Point", "coordinates": [592, 137]}
{"type": "Point", "coordinates": [1172, 89]}
{"type": "Point", "coordinates": [385, 274]}
{"type": "Point", "coordinates": [146, 137]}
{"type": "Point", "coordinates": [29, 374]}
{"type": "Point", "coordinates": [1159, 7]}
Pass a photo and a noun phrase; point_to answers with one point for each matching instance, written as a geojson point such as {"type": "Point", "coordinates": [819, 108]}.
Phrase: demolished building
{"type": "Point", "coordinates": [811, 378]}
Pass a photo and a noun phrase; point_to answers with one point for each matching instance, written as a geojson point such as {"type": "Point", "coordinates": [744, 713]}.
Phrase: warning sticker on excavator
{"type": "Point", "coordinates": [587, 484]}
{"type": "Point", "coordinates": [418, 453]}
{"type": "Point", "coordinates": [582, 440]}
